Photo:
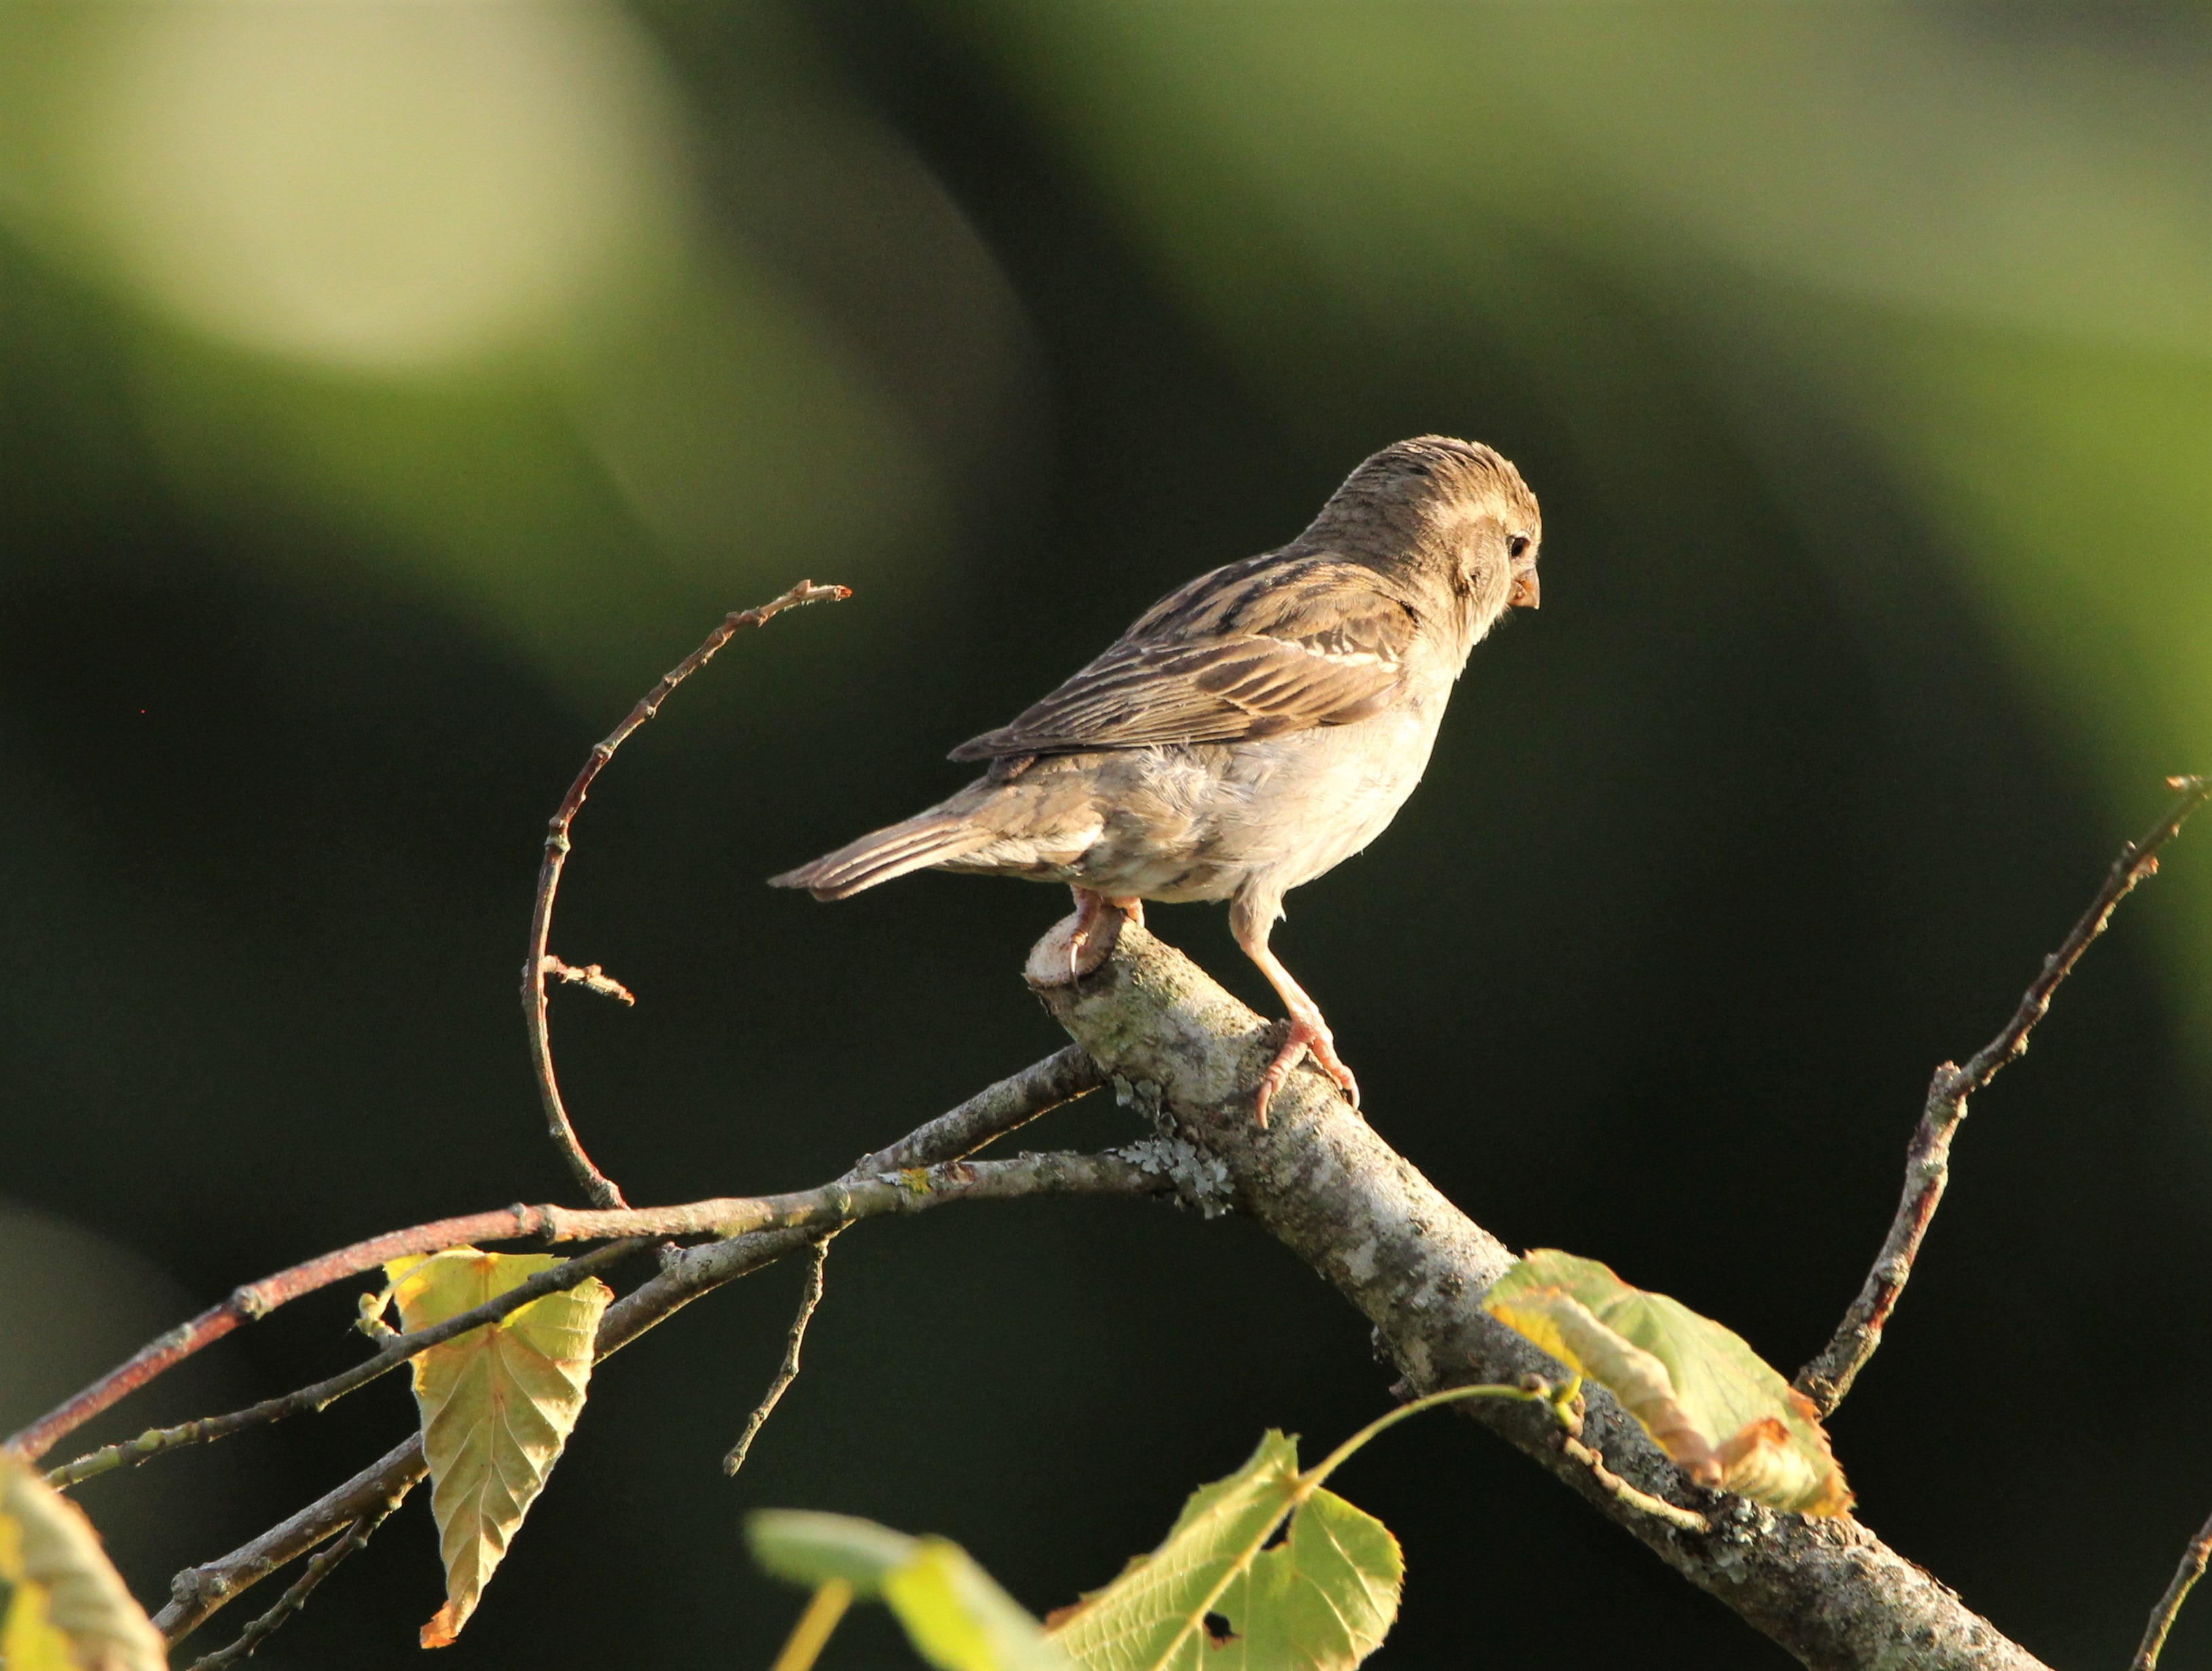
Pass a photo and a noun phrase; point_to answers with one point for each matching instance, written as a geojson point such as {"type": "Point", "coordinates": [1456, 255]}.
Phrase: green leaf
{"type": "Point", "coordinates": [497, 1403]}
{"type": "Point", "coordinates": [1710, 1402]}
{"type": "Point", "coordinates": [1322, 1598]}
{"type": "Point", "coordinates": [803, 1548]}
{"type": "Point", "coordinates": [67, 1608]}
{"type": "Point", "coordinates": [953, 1613]}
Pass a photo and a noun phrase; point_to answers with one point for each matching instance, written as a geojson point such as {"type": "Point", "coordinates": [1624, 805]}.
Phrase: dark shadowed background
{"type": "Point", "coordinates": [387, 396]}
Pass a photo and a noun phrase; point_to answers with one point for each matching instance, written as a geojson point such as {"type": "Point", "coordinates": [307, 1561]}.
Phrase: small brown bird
{"type": "Point", "coordinates": [1254, 729]}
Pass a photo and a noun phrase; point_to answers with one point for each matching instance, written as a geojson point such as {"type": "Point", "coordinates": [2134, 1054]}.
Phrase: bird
{"type": "Point", "coordinates": [1254, 728]}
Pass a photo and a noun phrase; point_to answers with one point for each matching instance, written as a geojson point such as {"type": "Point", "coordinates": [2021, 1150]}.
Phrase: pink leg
{"type": "Point", "coordinates": [1309, 1035]}
{"type": "Point", "coordinates": [1079, 945]}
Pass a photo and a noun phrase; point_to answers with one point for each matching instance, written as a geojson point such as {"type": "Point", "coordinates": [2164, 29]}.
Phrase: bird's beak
{"type": "Point", "coordinates": [1526, 594]}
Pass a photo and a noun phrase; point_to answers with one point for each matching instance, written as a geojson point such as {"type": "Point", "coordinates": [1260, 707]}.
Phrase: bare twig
{"type": "Point", "coordinates": [1687, 1520]}
{"type": "Point", "coordinates": [395, 1352]}
{"type": "Point", "coordinates": [256, 1300]}
{"type": "Point", "coordinates": [1828, 1378]}
{"type": "Point", "coordinates": [2185, 1576]}
{"type": "Point", "coordinates": [787, 1371]}
{"type": "Point", "coordinates": [991, 1113]}
{"type": "Point", "coordinates": [197, 1592]}
{"type": "Point", "coordinates": [830, 1206]}
{"type": "Point", "coordinates": [295, 1598]}
{"type": "Point", "coordinates": [590, 978]}
{"type": "Point", "coordinates": [535, 964]}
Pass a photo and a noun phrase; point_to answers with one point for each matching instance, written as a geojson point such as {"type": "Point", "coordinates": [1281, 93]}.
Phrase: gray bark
{"type": "Point", "coordinates": [1322, 1181]}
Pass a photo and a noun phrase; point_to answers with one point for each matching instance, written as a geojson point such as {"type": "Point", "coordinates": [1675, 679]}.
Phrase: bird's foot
{"type": "Point", "coordinates": [1308, 1036]}
{"type": "Point", "coordinates": [1076, 946]}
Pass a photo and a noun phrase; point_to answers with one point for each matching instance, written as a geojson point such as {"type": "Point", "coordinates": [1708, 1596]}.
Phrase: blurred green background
{"type": "Point", "coordinates": [388, 394]}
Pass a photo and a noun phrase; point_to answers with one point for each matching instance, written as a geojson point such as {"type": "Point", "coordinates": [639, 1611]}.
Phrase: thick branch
{"type": "Point", "coordinates": [1322, 1182]}
{"type": "Point", "coordinates": [538, 962]}
{"type": "Point", "coordinates": [1828, 1378]}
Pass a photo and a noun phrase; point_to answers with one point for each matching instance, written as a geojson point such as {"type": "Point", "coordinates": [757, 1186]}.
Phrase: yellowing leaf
{"type": "Point", "coordinates": [953, 1612]}
{"type": "Point", "coordinates": [498, 1403]}
{"type": "Point", "coordinates": [1323, 1598]}
{"type": "Point", "coordinates": [67, 1610]}
{"type": "Point", "coordinates": [1709, 1402]}
{"type": "Point", "coordinates": [1326, 1595]}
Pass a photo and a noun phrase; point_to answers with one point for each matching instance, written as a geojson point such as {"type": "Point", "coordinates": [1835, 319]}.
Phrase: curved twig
{"type": "Point", "coordinates": [1828, 1378]}
{"type": "Point", "coordinates": [538, 962]}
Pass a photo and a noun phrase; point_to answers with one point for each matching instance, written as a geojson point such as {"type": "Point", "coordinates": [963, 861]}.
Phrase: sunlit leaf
{"type": "Point", "coordinates": [498, 1403]}
{"type": "Point", "coordinates": [1711, 1401]}
{"type": "Point", "coordinates": [67, 1608]}
{"type": "Point", "coordinates": [953, 1612]}
{"type": "Point", "coordinates": [1324, 1597]}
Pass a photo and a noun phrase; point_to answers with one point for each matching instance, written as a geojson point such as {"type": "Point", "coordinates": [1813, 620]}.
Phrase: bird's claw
{"type": "Point", "coordinates": [1305, 1039]}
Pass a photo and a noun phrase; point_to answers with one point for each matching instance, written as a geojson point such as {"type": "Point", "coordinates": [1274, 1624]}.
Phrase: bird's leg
{"type": "Point", "coordinates": [1077, 944]}
{"type": "Point", "coordinates": [1309, 1035]}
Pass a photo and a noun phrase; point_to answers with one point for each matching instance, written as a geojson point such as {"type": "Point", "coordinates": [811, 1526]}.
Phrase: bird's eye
{"type": "Point", "coordinates": [1517, 547]}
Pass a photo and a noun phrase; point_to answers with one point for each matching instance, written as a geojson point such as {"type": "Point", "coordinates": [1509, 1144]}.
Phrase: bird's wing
{"type": "Point", "coordinates": [1253, 649]}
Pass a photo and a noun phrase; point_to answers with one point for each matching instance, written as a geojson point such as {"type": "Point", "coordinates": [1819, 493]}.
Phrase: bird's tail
{"type": "Point", "coordinates": [926, 839]}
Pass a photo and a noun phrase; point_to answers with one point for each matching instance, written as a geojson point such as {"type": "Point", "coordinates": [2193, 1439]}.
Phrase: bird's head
{"type": "Point", "coordinates": [1443, 514]}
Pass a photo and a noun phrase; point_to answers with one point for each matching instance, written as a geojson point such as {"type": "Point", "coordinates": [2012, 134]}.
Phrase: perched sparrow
{"type": "Point", "coordinates": [1252, 729]}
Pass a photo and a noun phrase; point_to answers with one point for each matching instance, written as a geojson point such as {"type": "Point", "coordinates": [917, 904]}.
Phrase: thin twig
{"type": "Point", "coordinates": [295, 1598]}
{"type": "Point", "coordinates": [590, 978]}
{"type": "Point", "coordinates": [394, 1352]}
{"type": "Point", "coordinates": [991, 1113]}
{"type": "Point", "coordinates": [2185, 1576]}
{"type": "Point", "coordinates": [536, 965]}
{"type": "Point", "coordinates": [197, 1591]}
{"type": "Point", "coordinates": [787, 1371]}
{"type": "Point", "coordinates": [256, 1300]}
{"type": "Point", "coordinates": [1689, 1520]}
{"type": "Point", "coordinates": [1828, 1378]}
{"type": "Point", "coordinates": [828, 1205]}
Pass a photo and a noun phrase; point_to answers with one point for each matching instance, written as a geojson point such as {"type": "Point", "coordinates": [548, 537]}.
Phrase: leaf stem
{"type": "Point", "coordinates": [812, 1630]}
{"type": "Point", "coordinates": [1542, 1393]}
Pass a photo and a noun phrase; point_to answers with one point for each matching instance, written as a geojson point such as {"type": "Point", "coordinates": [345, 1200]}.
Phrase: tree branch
{"type": "Point", "coordinates": [1828, 1378]}
{"type": "Point", "coordinates": [198, 1591]}
{"type": "Point", "coordinates": [831, 1205]}
{"type": "Point", "coordinates": [395, 1352]}
{"type": "Point", "coordinates": [538, 962]}
{"type": "Point", "coordinates": [991, 1113]}
{"type": "Point", "coordinates": [1322, 1181]}
{"type": "Point", "coordinates": [2185, 1575]}
{"type": "Point", "coordinates": [787, 1371]}
{"type": "Point", "coordinates": [296, 1597]}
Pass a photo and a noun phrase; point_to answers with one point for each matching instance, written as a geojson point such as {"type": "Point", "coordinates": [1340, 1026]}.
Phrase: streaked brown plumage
{"type": "Point", "coordinates": [1254, 728]}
